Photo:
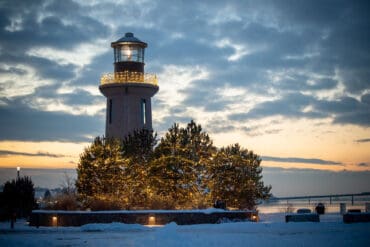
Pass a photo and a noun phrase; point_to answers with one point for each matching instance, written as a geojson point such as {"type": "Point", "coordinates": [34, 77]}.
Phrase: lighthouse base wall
{"type": "Point", "coordinates": [128, 109]}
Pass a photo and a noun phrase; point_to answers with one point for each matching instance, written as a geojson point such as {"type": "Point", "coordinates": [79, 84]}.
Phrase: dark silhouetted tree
{"type": "Point", "coordinates": [47, 195]}
{"type": "Point", "coordinates": [19, 197]}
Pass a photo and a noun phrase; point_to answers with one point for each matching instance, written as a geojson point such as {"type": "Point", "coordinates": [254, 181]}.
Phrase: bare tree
{"type": "Point", "coordinates": [68, 184]}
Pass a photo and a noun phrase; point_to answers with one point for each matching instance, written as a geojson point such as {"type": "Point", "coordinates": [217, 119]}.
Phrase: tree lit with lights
{"type": "Point", "coordinates": [183, 171]}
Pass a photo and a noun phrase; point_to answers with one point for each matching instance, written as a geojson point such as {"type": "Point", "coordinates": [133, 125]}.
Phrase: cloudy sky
{"type": "Point", "coordinates": [289, 80]}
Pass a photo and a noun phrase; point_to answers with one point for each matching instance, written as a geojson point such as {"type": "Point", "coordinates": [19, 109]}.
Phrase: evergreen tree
{"type": "Point", "coordinates": [189, 146]}
{"type": "Point", "coordinates": [235, 177]}
{"type": "Point", "coordinates": [174, 178]}
{"type": "Point", "coordinates": [19, 197]}
{"type": "Point", "coordinates": [138, 149]}
{"type": "Point", "coordinates": [191, 143]}
{"type": "Point", "coordinates": [184, 170]}
{"type": "Point", "coordinates": [100, 171]}
{"type": "Point", "coordinates": [139, 146]}
{"type": "Point", "coordinates": [117, 172]}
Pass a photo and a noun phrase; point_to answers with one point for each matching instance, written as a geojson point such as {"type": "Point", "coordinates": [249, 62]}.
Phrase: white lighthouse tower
{"type": "Point", "coordinates": [128, 90]}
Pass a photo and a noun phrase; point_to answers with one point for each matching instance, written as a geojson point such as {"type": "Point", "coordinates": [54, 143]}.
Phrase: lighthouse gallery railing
{"type": "Point", "coordinates": [128, 77]}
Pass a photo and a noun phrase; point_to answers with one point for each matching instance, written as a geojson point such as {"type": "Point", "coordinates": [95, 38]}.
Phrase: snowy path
{"type": "Point", "coordinates": [271, 231]}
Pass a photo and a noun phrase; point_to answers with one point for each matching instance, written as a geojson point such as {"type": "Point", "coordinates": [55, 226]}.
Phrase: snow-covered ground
{"type": "Point", "coordinates": [270, 231]}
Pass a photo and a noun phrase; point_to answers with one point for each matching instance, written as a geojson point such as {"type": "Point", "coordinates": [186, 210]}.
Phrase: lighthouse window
{"type": "Point", "coordinates": [126, 53]}
{"type": "Point", "coordinates": [110, 111]}
{"type": "Point", "coordinates": [143, 111]}
{"type": "Point", "coordinates": [117, 55]}
{"type": "Point", "coordinates": [142, 55]}
{"type": "Point", "coordinates": [129, 53]}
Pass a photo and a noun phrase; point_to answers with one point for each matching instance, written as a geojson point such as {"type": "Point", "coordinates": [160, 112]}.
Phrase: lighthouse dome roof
{"type": "Point", "coordinates": [129, 38]}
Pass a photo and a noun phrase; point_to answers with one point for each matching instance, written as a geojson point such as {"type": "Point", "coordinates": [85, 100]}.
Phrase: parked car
{"type": "Point", "coordinates": [304, 211]}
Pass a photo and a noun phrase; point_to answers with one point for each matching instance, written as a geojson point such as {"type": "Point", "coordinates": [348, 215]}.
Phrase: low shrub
{"type": "Point", "coordinates": [100, 205]}
{"type": "Point", "coordinates": [64, 202]}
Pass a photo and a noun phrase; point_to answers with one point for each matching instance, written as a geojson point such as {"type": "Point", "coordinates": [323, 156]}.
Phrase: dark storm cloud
{"type": "Point", "coordinates": [81, 97]}
{"type": "Point", "coordinates": [47, 91]}
{"type": "Point", "coordinates": [350, 42]}
{"type": "Point", "coordinates": [363, 140]}
{"type": "Point", "coordinates": [50, 69]}
{"type": "Point", "coordinates": [277, 47]}
{"type": "Point", "coordinates": [220, 127]}
{"type": "Point", "coordinates": [42, 154]}
{"type": "Point", "coordinates": [64, 26]}
{"type": "Point", "coordinates": [346, 110]}
{"type": "Point", "coordinates": [329, 43]}
{"type": "Point", "coordinates": [356, 118]}
{"type": "Point", "coordinates": [300, 160]}
{"type": "Point", "coordinates": [45, 68]}
{"type": "Point", "coordinates": [299, 82]}
{"type": "Point", "coordinates": [273, 131]}
{"type": "Point", "coordinates": [51, 24]}
{"type": "Point", "coordinates": [343, 105]}
{"type": "Point", "coordinates": [312, 46]}
{"type": "Point", "coordinates": [78, 97]}
{"type": "Point", "coordinates": [308, 14]}
{"type": "Point", "coordinates": [202, 96]}
{"type": "Point", "coordinates": [13, 71]}
{"type": "Point", "coordinates": [363, 164]}
{"type": "Point", "coordinates": [365, 99]}
{"type": "Point", "coordinates": [52, 30]}
{"type": "Point", "coordinates": [19, 122]}
{"type": "Point", "coordinates": [187, 51]}
{"type": "Point", "coordinates": [91, 73]}
{"type": "Point", "coordinates": [290, 105]}
{"type": "Point", "coordinates": [311, 43]}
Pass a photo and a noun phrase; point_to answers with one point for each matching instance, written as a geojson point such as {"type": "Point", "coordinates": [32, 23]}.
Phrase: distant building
{"type": "Point", "coordinates": [128, 90]}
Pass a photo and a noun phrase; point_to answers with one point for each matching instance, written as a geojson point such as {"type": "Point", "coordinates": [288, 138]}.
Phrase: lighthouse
{"type": "Point", "coordinates": [128, 90]}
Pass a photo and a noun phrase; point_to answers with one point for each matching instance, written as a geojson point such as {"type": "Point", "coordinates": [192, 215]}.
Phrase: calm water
{"type": "Point", "coordinates": [330, 207]}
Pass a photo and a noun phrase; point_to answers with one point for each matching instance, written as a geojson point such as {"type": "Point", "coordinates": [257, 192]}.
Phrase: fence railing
{"type": "Point", "coordinates": [129, 77]}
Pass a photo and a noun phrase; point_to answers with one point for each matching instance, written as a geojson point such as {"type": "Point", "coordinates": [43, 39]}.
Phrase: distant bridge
{"type": "Point", "coordinates": [320, 196]}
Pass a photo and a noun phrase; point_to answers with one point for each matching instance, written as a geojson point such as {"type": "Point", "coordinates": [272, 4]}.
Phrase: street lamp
{"type": "Point", "coordinates": [18, 171]}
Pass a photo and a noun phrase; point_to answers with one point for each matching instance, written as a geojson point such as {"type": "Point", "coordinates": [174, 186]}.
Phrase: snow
{"type": "Point", "coordinates": [270, 231]}
{"type": "Point", "coordinates": [115, 226]}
